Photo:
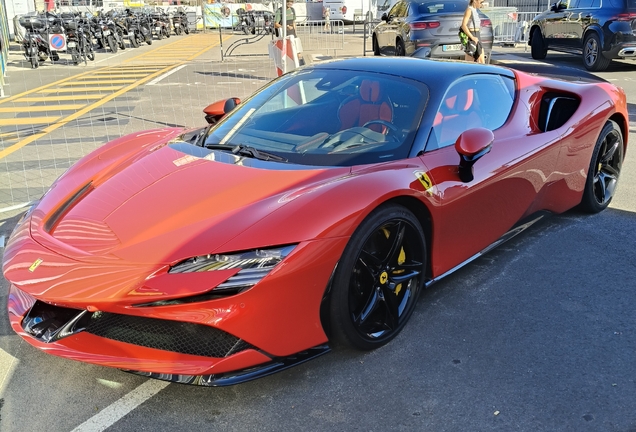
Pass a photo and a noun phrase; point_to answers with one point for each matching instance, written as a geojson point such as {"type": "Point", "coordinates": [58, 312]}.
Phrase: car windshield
{"type": "Point", "coordinates": [442, 7]}
{"type": "Point", "coordinates": [327, 117]}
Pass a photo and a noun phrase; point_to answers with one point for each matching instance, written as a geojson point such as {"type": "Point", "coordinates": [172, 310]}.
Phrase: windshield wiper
{"type": "Point", "coordinates": [245, 150]}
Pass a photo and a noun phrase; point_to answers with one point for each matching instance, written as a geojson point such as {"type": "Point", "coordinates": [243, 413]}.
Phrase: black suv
{"type": "Point", "coordinates": [601, 30]}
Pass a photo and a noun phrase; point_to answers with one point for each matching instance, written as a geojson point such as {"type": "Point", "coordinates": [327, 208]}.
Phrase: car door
{"type": "Point", "coordinates": [391, 27]}
{"type": "Point", "coordinates": [507, 181]}
{"type": "Point", "coordinates": [580, 19]}
{"type": "Point", "coordinates": [555, 26]}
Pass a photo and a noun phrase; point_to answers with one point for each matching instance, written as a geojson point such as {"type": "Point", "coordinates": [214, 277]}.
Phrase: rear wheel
{"type": "Point", "coordinates": [378, 279]}
{"type": "Point", "coordinates": [593, 55]}
{"type": "Point", "coordinates": [605, 168]}
{"type": "Point", "coordinates": [539, 51]}
{"type": "Point", "coordinates": [187, 30]}
{"type": "Point", "coordinates": [399, 48]}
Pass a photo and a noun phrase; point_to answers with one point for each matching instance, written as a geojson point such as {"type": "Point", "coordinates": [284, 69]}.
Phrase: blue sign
{"type": "Point", "coordinates": [57, 42]}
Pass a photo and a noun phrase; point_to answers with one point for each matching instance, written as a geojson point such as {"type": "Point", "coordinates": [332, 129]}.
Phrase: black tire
{"type": "Point", "coordinates": [593, 58]}
{"type": "Point", "coordinates": [186, 30]}
{"type": "Point", "coordinates": [376, 46]}
{"type": "Point", "coordinates": [177, 31]}
{"type": "Point", "coordinates": [168, 32]}
{"type": "Point", "coordinates": [149, 41]}
{"type": "Point", "coordinates": [378, 279]}
{"type": "Point", "coordinates": [133, 40]}
{"type": "Point", "coordinates": [75, 58]}
{"type": "Point", "coordinates": [112, 44]}
{"type": "Point", "coordinates": [90, 55]}
{"type": "Point", "coordinates": [604, 170]}
{"type": "Point", "coordinates": [538, 49]}
{"type": "Point", "coordinates": [160, 34]}
{"type": "Point", "coordinates": [399, 48]}
{"type": "Point", "coordinates": [35, 63]}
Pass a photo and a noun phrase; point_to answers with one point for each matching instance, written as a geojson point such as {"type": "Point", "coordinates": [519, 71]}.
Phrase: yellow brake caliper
{"type": "Point", "coordinates": [401, 260]}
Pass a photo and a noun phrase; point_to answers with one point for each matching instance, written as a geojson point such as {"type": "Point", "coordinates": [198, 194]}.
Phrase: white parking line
{"type": "Point", "coordinates": [114, 412]}
{"type": "Point", "coordinates": [160, 77]}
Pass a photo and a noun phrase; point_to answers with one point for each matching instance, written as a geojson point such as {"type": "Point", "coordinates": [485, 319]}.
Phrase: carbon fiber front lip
{"type": "Point", "coordinates": [240, 376]}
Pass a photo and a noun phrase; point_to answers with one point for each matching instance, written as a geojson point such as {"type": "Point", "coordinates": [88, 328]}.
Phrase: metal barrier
{"type": "Point", "coordinates": [315, 36]}
{"type": "Point", "coordinates": [368, 33]}
{"type": "Point", "coordinates": [510, 27]}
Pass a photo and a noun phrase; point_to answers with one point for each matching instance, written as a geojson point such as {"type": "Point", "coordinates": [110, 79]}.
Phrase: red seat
{"type": "Point", "coordinates": [370, 104]}
{"type": "Point", "coordinates": [457, 114]}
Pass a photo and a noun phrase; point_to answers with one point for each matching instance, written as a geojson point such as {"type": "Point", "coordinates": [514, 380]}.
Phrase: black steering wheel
{"type": "Point", "coordinates": [389, 126]}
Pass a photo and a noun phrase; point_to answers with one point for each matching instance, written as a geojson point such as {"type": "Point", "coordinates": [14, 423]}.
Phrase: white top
{"type": "Point", "coordinates": [475, 18]}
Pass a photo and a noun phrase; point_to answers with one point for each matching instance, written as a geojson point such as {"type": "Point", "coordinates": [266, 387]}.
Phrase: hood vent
{"type": "Point", "coordinates": [56, 217]}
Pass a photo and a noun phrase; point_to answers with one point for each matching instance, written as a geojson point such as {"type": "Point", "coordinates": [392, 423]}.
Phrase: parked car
{"type": "Point", "coordinates": [410, 25]}
{"type": "Point", "coordinates": [600, 31]}
{"type": "Point", "coordinates": [313, 213]}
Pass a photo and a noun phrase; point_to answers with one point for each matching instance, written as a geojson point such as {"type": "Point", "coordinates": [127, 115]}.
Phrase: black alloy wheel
{"type": "Point", "coordinates": [592, 54]}
{"type": "Point", "coordinates": [399, 48]}
{"type": "Point", "coordinates": [605, 168]}
{"type": "Point", "coordinates": [537, 48]}
{"type": "Point", "coordinates": [378, 279]}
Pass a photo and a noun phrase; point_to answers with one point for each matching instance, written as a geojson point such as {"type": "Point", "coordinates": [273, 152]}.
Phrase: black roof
{"type": "Point", "coordinates": [427, 71]}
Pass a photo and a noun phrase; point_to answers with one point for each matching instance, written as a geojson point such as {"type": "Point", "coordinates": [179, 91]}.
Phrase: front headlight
{"type": "Point", "coordinates": [254, 265]}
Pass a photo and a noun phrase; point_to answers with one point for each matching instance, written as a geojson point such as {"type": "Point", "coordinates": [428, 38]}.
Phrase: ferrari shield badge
{"type": "Point", "coordinates": [425, 180]}
{"type": "Point", "coordinates": [35, 264]}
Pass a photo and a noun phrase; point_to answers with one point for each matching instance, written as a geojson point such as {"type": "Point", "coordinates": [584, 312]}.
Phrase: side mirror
{"type": "Point", "coordinates": [216, 111]}
{"type": "Point", "coordinates": [384, 17]}
{"type": "Point", "coordinates": [471, 146]}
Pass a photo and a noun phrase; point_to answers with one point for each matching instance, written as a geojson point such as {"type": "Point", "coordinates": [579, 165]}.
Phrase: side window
{"type": "Point", "coordinates": [474, 101]}
{"type": "Point", "coordinates": [394, 10]}
{"type": "Point", "coordinates": [583, 4]}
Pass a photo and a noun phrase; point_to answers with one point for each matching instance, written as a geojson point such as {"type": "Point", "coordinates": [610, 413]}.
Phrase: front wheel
{"type": "Point", "coordinates": [399, 48]}
{"type": "Point", "coordinates": [592, 54]}
{"type": "Point", "coordinates": [605, 168]}
{"type": "Point", "coordinates": [186, 30]}
{"type": "Point", "coordinates": [112, 44]}
{"type": "Point", "coordinates": [378, 279]}
{"type": "Point", "coordinates": [133, 40]}
{"type": "Point", "coordinates": [376, 46]}
{"type": "Point", "coordinates": [538, 49]}
{"type": "Point", "coordinates": [35, 63]}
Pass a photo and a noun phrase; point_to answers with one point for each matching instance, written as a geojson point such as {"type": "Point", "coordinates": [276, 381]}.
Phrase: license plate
{"type": "Point", "coordinates": [177, 25]}
{"type": "Point", "coordinates": [71, 44]}
{"type": "Point", "coordinates": [157, 28]}
{"type": "Point", "coordinates": [457, 47]}
{"type": "Point", "coordinates": [106, 32]}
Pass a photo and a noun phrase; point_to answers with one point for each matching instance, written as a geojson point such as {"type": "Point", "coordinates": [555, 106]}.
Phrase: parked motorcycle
{"type": "Point", "coordinates": [160, 24]}
{"type": "Point", "coordinates": [78, 41]}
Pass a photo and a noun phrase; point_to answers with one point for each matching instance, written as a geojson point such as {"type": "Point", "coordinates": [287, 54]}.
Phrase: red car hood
{"type": "Point", "coordinates": [158, 205]}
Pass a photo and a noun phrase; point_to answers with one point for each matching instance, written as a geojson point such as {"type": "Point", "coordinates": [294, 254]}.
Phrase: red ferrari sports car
{"type": "Point", "coordinates": [313, 212]}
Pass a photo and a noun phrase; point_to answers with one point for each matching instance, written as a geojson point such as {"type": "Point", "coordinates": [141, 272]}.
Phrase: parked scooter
{"type": "Point", "coordinates": [35, 42]}
{"type": "Point", "coordinates": [160, 24]}
{"type": "Point", "coordinates": [180, 22]}
{"type": "Point", "coordinates": [78, 41]}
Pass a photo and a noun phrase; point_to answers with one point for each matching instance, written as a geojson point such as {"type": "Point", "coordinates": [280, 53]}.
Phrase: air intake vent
{"type": "Point", "coordinates": [58, 214]}
{"type": "Point", "coordinates": [180, 337]}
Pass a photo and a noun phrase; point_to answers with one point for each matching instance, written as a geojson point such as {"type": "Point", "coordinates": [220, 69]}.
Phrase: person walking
{"type": "Point", "coordinates": [326, 14]}
{"type": "Point", "coordinates": [470, 26]}
{"type": "Point", "coordinates": [290, 17]}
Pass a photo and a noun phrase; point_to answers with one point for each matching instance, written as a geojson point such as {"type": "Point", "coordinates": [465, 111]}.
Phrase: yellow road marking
{"type": "Point", "coordinates": [118, 75]}
{"type": "Point", "coordinates": [27, 121]}
{"type": "Point", "coordinates": [7, 151]}
{"type": "Point", "coordinates": [119, 91]}
{"type": "Point", "coordinates": [62, 98]}
{"type": "Point", "coordinates": [81, 89]}
{"type": "Point", "coordinates": [41, 108]}
{"type": "Point", "coordinates": [104, 81]}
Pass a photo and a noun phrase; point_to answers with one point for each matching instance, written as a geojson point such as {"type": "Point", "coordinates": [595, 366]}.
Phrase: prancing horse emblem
{"type": "Point", "coordinates": [35, 264]}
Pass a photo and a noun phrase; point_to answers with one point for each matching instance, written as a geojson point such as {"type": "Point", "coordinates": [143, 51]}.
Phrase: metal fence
{"type": "Point", "coordinates": [318, 36]}
{"type": "Point", "coordinates": [509, 26]}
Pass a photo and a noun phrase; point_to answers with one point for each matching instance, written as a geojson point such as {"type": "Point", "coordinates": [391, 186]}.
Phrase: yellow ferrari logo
{"type": "Point", "coordinates": [425, 180]}
{"type": "Point", "coordinates": [35, 264]}
{"type": "Point", "coordinates": [383, 278]}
